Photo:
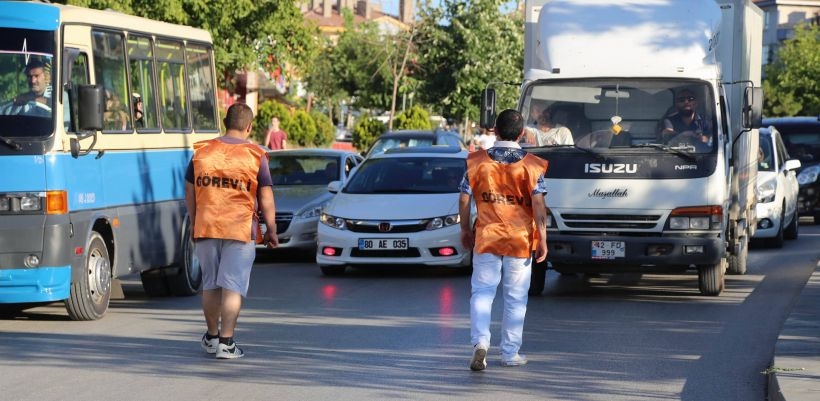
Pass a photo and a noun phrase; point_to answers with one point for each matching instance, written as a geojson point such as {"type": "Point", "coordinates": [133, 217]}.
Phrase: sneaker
{"type": "Point", "coordinates": [479, 361]}
{"type": "Point", "coordinates": [517, 360]}
{"type": "Point", "coordinates": [225, 351]}
{"type": "Point", "coordinates": [209, 345]}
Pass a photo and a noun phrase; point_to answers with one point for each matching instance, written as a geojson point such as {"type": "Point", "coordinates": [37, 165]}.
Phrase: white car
{"type": "Point", "coordinates": [400, 207]}
{"type": "Point", "coordinates": [777, 189]}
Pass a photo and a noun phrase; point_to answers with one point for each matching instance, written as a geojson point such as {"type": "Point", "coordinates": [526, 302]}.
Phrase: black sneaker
{"type": "Point", "coordinates": [225, 351]}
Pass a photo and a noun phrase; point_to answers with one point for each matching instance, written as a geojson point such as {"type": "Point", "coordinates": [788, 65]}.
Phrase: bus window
{"type": "Point", "coordinates": [109, 70]}
{"type": "Point", "coordinates": [143, 92]}
{"type": "Point", "coordinates": [203, 109]}
{"type": "Point", "coordinates": [172, 100]}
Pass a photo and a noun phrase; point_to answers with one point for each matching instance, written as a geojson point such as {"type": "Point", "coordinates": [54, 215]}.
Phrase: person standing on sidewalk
{"type": "Point", "coordinates": [227, 181]}
{"type": "Point", "coordinates": [508, 187]}
{"type": "Point", "coordinates": [276, 138]}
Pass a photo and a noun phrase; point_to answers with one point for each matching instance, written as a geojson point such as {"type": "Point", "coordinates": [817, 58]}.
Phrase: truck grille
{"type": "Point", "coordinates": [610, 221]}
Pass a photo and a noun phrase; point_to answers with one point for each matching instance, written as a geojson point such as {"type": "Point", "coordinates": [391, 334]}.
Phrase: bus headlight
{"type": "Point", "coordinates": [30, 203]}
{"type": "Point", "coordinates": [5, 203]}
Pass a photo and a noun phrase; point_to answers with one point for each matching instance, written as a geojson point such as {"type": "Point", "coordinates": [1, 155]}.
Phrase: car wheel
{"type": "Point", "coordinates": [777, 240]}
{"type": "Point", "coordinates": [333, 270]}
{"type": "Point", "coordinates": [793, 228]}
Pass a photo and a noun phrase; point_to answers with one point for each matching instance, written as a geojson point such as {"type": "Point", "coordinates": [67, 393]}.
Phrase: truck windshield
{"type": "Point", "coordinates": [26, 100]}
{"type": "Point", "coordinates": [646, 115]}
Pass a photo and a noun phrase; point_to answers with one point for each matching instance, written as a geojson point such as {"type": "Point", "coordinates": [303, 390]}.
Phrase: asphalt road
{"type": "Point", "coordinates": [393, 334]}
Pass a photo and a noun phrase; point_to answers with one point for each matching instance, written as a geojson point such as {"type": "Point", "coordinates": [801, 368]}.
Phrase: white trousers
{"type": "Point", "coordinates": [514, 273]}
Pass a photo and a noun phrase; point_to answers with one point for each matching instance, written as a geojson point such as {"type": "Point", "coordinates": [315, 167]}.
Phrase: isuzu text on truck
{"type": "Point", "coordinates": [628, 195]}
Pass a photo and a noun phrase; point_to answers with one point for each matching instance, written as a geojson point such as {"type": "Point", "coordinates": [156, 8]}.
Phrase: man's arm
{"type": "Point", "coordinates": [190, 203]}
{"type": "Point", "coordinates": [467, 234]}
{"type": "Point", "coordinates": [268, 207]}
{"type": "Point", "coordinates": [539, 213]}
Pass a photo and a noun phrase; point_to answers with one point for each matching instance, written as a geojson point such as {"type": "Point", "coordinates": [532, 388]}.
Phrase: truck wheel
{"type": "Point", "coordinates": [538, 277]}
{"type": "Point", "coordinates": [89, 296]}
{"type": "Point", "coordinates": [186, 280]}
{"type": "Point", "coordinates": [333, 270]}
{"type": "Point", "coordinates": [737, 263]}
{"type": "Point", "coordinates": [710, 278]}
{"type": "Point", "coordinates": [793, 228]}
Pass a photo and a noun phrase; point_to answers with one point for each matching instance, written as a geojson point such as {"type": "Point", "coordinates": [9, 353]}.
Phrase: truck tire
{"type": "Point", "coordinates": [186, 279]}
{"type": "Point", "coordinates": [711, 278]}
{"type": "Point", "coordinates": [333, 270]}
{"type": "Point", "coordinates": [737, 263]}
{"type": "Point", "coordinates": [538, 278]}
{"type": "Point", "coordinates": [89, 296]}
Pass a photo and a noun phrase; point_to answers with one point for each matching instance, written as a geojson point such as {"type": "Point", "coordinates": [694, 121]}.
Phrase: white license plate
{"type": "Point", "coordinates": [378, 244]}
{"type": "Point", "coordinates": [608, 249]}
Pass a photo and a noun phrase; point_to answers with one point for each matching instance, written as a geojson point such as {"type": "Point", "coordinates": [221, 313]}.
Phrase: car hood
{"type": "Point", "coordinates": [392, 206]}
{"type": "Point", "coordinates": [294, 198]}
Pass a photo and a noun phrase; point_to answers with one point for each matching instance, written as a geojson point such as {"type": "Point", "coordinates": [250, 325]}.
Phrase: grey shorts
{"type": "Point", "coordinates": [225, 264]}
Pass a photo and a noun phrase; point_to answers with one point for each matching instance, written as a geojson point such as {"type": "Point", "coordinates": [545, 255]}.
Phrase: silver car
{"type": "Point", "coordinates": [300, 178]}
{"type": "Point", "coordinates": [777, 188]}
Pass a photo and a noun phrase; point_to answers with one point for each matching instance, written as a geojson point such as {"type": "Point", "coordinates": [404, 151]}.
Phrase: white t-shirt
{"type": "Point", "coordinates": [558, 135]}
{"type": "Point", "coordinates": [485, 141]}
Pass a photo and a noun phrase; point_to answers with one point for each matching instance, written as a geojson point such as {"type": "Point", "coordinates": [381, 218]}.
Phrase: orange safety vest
{"type": "Point", "coordinates": [503, 198]}
{"type": "Point", "coordinates": [225, 189]}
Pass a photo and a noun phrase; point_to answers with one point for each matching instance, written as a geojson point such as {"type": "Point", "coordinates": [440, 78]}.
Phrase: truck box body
{"type": "Point", "coordinates": [625, 197]}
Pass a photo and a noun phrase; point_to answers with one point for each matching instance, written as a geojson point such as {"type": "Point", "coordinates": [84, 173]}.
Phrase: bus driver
{"type": "Point", "coordinates": [37, 101]}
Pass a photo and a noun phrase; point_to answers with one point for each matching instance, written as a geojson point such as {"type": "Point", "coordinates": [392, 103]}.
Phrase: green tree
{"type": "Point", "coordinates": [477, 45]}
{"type": "Point", "coordinates": [413, 118]}
{"type": "Point", "coordinates": [247, 34]}
{"type": "Point", "coordinates": [301, 129]}
{"type": "Point", "coordinates": [325, 131]}
{"type": "Point", "coordinates": [366, 131]}
{"type": "Point", "coordinates": [792, 85]}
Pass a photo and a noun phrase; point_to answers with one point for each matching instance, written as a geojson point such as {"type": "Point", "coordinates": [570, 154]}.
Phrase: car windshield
{"type": "Point", "coordinates": [383, 144]}
{"type": "Point", "coordinates": [26, 99]}
{"type": "Point", "coordinates": [407, 175]}
{"type": "Point", "coordinates": [303, 169]}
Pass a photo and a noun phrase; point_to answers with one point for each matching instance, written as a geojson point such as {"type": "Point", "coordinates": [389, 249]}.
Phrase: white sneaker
{"type": "Point", "coordinates": [209, 345]}
{"type": "Point", "coordinates": [479, 361]}
{"type": "Point", "coordinates": [224, 351]}
{"type": "Point", "coordinates": [516, 360]}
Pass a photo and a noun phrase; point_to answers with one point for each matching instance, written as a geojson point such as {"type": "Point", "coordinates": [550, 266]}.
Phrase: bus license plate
{"type": "Point", "coordinates": [378, 244]}
{"type": "Point", "coordinates": [608, 249]}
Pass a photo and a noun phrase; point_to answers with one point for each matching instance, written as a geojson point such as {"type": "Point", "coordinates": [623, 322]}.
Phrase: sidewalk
{"type": "Point", "coordinates": [795, 371]}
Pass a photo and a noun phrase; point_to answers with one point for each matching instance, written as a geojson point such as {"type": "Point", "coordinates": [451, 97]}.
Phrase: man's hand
{"type": "Point", "coordinates": [467, 239]}
{"type": "Point", "coordinates": [270, 240]}
{"type": "Point", "coordinates": [541, 251]}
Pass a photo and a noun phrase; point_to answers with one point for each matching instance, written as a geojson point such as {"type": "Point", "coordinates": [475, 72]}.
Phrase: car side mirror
{"type": "Point", "coordinates": [334, 187]}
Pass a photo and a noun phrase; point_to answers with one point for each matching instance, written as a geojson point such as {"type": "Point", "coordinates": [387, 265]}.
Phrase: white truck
{"type": "Point", "coordinates": [646, 186]}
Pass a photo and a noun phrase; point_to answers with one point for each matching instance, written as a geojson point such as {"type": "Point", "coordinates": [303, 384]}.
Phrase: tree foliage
{"type": "Point", "coordinates": [792, 84]}
{"type": "Point", "coordinates": [366, 131]}
{"type": "Point", "coordinates": [415, 117]}
{"type": "Point", "coordinates": [457, 60]}
{"type": "Point", "coordinates": [247, 34]}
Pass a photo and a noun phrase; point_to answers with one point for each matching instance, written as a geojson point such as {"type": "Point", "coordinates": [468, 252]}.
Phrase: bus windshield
{"type": "Point", "coordinates": [26, 99]}
{"type": "Point", "coordinates": [644, 115]}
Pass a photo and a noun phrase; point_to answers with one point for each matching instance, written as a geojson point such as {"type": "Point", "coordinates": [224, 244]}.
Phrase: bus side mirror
{"type": "Point", "coordinates": [487, 116]}
{"type": "Point", "coordinates": [752, 107]}
{"type": "Point", "coordinates": [91, 100]}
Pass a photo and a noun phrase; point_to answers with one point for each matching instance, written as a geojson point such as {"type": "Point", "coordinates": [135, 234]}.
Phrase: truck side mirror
{"type": "Point", "coordinates": [487, 114]}
{"type": "Point", "coordinates": [752, 107]}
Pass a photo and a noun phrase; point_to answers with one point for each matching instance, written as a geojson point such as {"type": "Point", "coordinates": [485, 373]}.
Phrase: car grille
{"type": "Point", "coordinates": [283, 222]}
{"type": "Point", "coordinates": [610, 221]}
{"type": "Point", "coordinates": [395, 227]}
{"type": "Point", "coordinates": [399, 253]}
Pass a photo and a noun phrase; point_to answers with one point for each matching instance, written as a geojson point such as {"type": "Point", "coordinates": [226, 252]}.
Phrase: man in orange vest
{"type": "Point", "coordinates": [227, 181]}
{"type": "Point", "coordinates": [507, 185]}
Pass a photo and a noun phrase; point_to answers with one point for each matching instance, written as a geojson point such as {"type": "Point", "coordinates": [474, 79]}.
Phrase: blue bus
{"type": "Point", "coordinates": [98, 114]}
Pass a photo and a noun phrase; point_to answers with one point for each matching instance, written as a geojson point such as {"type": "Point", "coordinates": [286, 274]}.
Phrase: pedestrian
{"type": "Point", "coordinates": [275, 137]}
{"type": "Point", "coordinates": [227, 181]}
{"type": "Point", "coordinates": [507, 185]}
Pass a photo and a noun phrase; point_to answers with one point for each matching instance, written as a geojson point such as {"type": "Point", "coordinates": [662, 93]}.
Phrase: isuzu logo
{"type": "Point", "coordinates": [611, 168]}
{"type": "Point", "coordinates": [384, 227]}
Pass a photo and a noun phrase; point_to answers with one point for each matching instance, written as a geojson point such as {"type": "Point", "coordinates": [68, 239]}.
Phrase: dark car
{"type": "Point", "coordinates": [413, 138]}
{"type": "Point", "coordinates": [802, 138]}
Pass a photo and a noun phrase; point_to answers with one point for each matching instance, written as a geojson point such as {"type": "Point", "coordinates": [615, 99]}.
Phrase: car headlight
{"type": "Point", "coordinates": [311, 212]}
{"type": "Point", "coordinates": [441, 222]}
{"type": "Point", "coordinates": [766, 191]}
{"type": "Point", "coordinates": [333, 221]}
{"type": "Point", "coordinates": [808, 175]}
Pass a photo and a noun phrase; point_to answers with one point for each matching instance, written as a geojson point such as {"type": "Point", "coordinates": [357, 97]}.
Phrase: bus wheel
{"type": "Point", "coordinates": [89, 296]}
{"type": "Point", "coordinates": [188, 277]}
{"type": "Point", "coordinates": [711, 278]}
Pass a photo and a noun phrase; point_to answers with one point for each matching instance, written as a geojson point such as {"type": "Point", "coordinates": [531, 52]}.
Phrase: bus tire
{"type": "Point", "coordinates": [89, 296]}
{"type": "Point", "coordinates": [737, 263]}
{"type": "Point", "coordinates": [187, 279]}
{"type": "Point", "coordinates": [711, 278]}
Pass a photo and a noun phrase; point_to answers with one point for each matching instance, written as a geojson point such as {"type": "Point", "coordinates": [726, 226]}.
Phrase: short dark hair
{"type": "Point", "coordinates": [238, 117]}
{"type": "Point", "coordinates": [509, 124]}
